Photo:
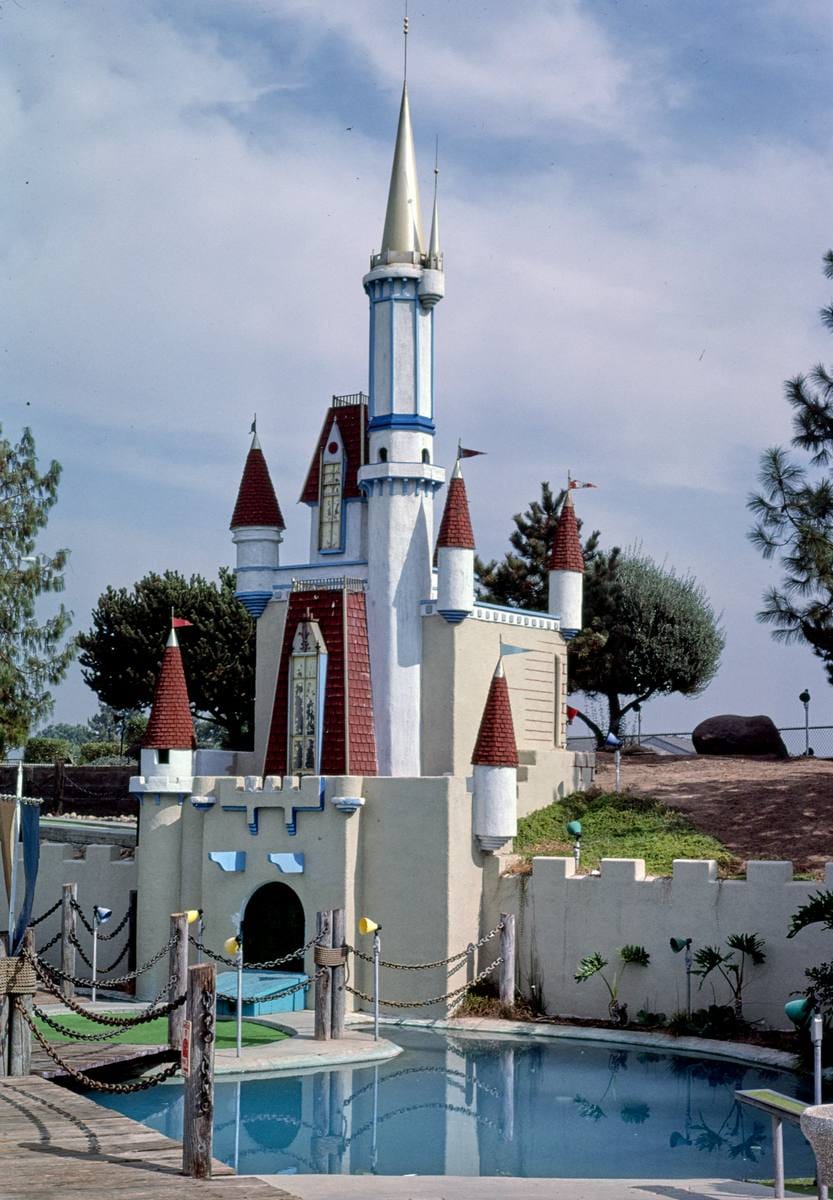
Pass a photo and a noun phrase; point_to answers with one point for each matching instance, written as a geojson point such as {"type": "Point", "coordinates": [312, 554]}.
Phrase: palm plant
{"type": "Point", "coordinates": [744, 949]}
{"type": "Point", "coordinates": [594, 964]}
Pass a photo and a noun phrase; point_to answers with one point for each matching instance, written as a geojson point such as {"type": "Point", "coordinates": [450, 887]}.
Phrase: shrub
{"type": "Point", "coordinates": [88, 752]}
{"type": "Point", "coordinates": [47, 750]}
{"type": "Point", "coordinates": [594, 964]}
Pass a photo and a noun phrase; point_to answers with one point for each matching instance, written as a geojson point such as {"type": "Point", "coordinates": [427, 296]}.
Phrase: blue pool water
{"type": "Point", "coordinates": [463, 1105]}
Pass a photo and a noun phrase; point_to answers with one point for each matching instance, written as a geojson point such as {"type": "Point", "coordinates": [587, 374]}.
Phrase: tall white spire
{"type": "Point", "coordinates": [403, 218]}
{"type": "Point", "coordinates": [434, 250]}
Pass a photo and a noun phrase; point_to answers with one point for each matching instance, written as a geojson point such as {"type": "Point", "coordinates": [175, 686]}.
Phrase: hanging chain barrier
{"type": "Point", "coordinates": [86, 983]}
{"type": "Point", "coordinates": [50, 943]}
{"type": "Point", "coordinates": [146, 1014]}
{"type": "Point", "coordinates": [440, 962]}
{"type": "Point", "coordinates": [46, 914]}
{"type": "Point", "coordinates": [87, 1081]}
{"type": "Point", "coordinates": [205, 1100]}
{"type": "Point", "coordinates": [262, 966]}
{"type": "Point", "coordinates": [283, 992]}
{"type": "Point", "coordinates": [102, 937]}
{"type": "Point", "coordinates": [434, 999]}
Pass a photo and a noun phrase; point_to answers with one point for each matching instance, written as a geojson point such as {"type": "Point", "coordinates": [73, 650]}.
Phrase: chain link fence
{"type": "Point", "coordinates": [798, 739]}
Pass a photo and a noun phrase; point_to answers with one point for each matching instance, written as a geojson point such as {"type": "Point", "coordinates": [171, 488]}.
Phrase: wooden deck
{"type": "Point", "coordinates": [56, 1143]}
{"type": "Point", "coordinates": [92, 1056]}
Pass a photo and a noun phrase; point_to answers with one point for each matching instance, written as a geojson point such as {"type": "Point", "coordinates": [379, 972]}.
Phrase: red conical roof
{"type": "Point", "coordinates": [495, 746]}
{"type": "Point", "coordinates": [171, 726]}
{"type": "Point", "coordinates": [455, 527]}
{"type": "Point", "coordinates": [566, 545]}
{"type": "Point", "coordinates": [257, 503]}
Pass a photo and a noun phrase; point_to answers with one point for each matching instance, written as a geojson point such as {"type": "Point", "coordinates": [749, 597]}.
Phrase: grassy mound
{"type": "Point", "coordinates": [155, 1033]}
{"type": "Point", "coordinates": [618, 826]}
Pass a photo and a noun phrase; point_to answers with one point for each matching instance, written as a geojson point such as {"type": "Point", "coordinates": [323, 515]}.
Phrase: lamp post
{"type": "Point", "coordinates": [637, 708]}
{"type": "Point", "coordinates": [678, 944]}
{"type": "Point", "coordinates": [574, 830]}
{"type": "Point", "coordinates": [616, 745]}
{"type": "Point", "coordinates": [100, 916]}
{"type": "Point", "coordinates": [804, 1015]}
{"type": "Point", "coordinates": [804, 697]}
{"type": "Point", "coordinates": [368, 925]}
{"type": "Point", "coordinates": [234, 945]}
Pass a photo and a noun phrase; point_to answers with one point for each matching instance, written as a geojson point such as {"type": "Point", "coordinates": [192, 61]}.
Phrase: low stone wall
{"type": "Point", "coordinates": [562, 917]}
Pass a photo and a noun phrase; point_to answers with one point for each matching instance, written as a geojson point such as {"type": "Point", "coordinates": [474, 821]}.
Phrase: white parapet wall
{"type": "Point", "coordinates": [563, 916]}
{"type": "Point", "coordinates": [103, 877]}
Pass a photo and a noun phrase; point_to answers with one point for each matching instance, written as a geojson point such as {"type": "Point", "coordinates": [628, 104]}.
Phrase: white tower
{"type": "Point", "coordinates": [404, 284]}
{"type": "Point", "coordinates": [495, 762]}
{"type": "Point", "coordinates": [566, 571]}
{"type": "Point", "coordinates": [455, 554]}
{"type": "Point", "coordinates": [257, 528]}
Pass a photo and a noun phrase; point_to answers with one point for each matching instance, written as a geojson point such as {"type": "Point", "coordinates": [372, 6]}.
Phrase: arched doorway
{"type": "Point", "coordinates": [273, 925]}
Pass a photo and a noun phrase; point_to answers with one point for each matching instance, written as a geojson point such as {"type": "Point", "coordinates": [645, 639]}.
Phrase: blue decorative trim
{"type": "Point", "coordinates": [402, 421]}
{"type": "Point", "coordinates": [454, 615]}
{"type": "Point", "coordinates": [287, 864]}
{"type": "Point", "coordinates": [254, 602]}
{"type": "Point", "coordinates": [431, 315]}
{"type": "Point", "coordinates": [416, 342]}
{"type": "Point", "coordinates": [524, 612]}
{"type": "Point", "coordinates": [292, 823]}
{"type": "Point", "coordinates": [203, 803]}
{"type": "Point", "coordinates": [371, 369]}
{"type": "Point", "coordinates": [228, 860]}
{"type": "Point", "coordinates": [568, 634]}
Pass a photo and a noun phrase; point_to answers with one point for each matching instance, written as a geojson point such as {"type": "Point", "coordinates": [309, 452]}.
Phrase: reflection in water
{"type": "Point", "coordinates": [471, 1106]}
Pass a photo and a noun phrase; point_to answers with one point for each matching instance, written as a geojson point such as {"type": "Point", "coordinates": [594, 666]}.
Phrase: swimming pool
{"type": "Point", "coordinates": [469, 1105]}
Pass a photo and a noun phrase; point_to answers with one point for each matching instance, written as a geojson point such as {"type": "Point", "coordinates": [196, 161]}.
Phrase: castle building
{"type": "Point", "coordinates": [401, 724]}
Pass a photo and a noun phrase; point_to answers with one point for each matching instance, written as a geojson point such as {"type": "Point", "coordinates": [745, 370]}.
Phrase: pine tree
{"type": "Point", "coordinates": [795, 513]}
{"type": "Point", "coordinates": [33, 655]}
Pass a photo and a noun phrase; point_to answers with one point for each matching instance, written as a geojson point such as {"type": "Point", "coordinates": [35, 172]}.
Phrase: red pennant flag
{"type": "Point", "coordinates": [180, 622]}
{"type": "Point", "coordinates": [574, 483]}
{"type": "Point", "coordinates": [572, 713]}
{"type": "Point", "coordinates": [464, 453]}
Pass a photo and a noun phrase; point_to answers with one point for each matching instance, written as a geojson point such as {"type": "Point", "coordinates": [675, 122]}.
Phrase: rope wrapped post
{"type": "Point", "coordinates": [198, 1113]}
{"type": "Point", "coordinates": [507, 954]}
{"type": "Point", "coordinates": [338, 974]}
{"type": "Point", "coordinates": [20, 1035]}
{"type": "Point", "coordinates": [69, 900]}
{"type": "Point", "coordinates": [178, 975]}
{"type": "Point", "coordinates": [5, 1012]}
{"type": "Point", "coordinates": [323, 980]}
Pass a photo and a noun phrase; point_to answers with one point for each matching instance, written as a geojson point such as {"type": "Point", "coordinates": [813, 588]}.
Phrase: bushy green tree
{"type": "Point", "coordinates": [122, 652]}
{"type": "Point", "coordinates": [33, 654]}
{"type": "Point", "coordinates": [794, 510]}
{"type": "Point", "coordinates": [660, 636]}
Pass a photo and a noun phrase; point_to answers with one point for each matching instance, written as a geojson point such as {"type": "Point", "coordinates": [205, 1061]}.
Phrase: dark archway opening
{"type": "Point", "coordinates": [273, 925]}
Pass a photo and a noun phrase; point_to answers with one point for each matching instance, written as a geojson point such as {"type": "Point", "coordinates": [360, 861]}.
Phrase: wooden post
{"type": "Point", "coordinates": [336, 1164]}
{"type": "Point", "coordinates": [319, 1142]}
{"type": "Point", "coordinates": [68, 927]}
{"type": "Point", "coordinates": [5, 1005]}
{"type": "Point", "coordinates": [507, 954]}
{"type": "Point", "coordinates": [198, 1111]}
{"type": "Point", "coordinates": [323, 991]}
{"type": "Point", "coordinates": [20, 1035]}
{"type": "Point", "coordinates": [338, 973]}
{"type": "Point", "coordinates": [178, 976]}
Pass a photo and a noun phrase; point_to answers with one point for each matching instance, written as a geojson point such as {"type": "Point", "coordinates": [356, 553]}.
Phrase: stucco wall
{"type": "Point", "coordinates": [269, 641]}
{"type": "Point", "coordinates": [562, 917]}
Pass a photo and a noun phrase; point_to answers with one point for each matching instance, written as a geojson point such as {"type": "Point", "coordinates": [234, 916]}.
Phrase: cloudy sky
{"type": "Point", "coordinates": [635, 201]}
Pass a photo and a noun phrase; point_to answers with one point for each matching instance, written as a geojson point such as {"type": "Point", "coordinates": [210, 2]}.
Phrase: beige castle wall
{"type": "Point", "coordinates": [270, 628]}
{"type": "Point", "coordinates": [562, 917]}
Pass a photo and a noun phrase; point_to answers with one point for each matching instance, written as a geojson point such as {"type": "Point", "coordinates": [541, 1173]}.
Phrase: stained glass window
{"type": "Point", "coordinates": [329, 521]}
{"type": "Point", "coordinates": [305, 680]}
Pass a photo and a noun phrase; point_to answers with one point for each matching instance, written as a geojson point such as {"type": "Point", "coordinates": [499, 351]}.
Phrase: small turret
{"type": "Point", "coordinates": [257, 527]}
{"type": "Point", "coordinates": [166, 760]}
{"type": "Point", "coordinates": [455, 554]}
{"type": "Point", "coordinates": [495, 762]}
{"type": "Point", "coordinates": [566, 571]}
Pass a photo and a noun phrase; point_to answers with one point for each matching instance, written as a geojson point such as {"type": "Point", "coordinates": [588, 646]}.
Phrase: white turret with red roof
{"type": "Point", "coordinates": [455, 554]}
{"type": "Point", "coordinates": [566, 570]}
{"type": "Point", "coordinates": [257, 527]}
{"type": "Point", "coordinates": [495, 762]}
{"type": "Point", "coordinates": [166, 759]}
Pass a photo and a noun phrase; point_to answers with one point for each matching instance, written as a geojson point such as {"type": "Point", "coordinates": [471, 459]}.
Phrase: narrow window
{"type": "Point", "coordinates": [164, 756]}
{"type": "Point", "coordinates": [329, 523]}
{"type": "Point", "coordinates": [426, 457]}
{"type": "Point", "coordinates": [307, 672]}
{"type": "Point", "coordinates": [383, 454]}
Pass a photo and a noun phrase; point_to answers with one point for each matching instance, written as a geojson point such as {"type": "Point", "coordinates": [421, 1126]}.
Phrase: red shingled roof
{"type": "Point", "coordinates": [455, 527]}
{"type": "Point", "coordinates": [257, 503]}
{"type": "Point", "coordinates": [171, 726]}
{"type": "Point", "coordinates": [495, 746]}
{"type": "Point", "coordinates": [348, 742]}
{"type": "Point", "coordinates": [566, 546]}
{"type": "Point", "coordinates": [352, 425]}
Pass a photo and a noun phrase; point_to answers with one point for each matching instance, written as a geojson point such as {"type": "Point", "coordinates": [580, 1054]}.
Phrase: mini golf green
{"type": "Point", "coordinates": [155, 1033]}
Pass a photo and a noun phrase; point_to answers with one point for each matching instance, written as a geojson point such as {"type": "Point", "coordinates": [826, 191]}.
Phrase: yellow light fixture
{"type": "Point", "coordinates": [193, 914]}
{"type": "Point", "coordinates": [231, 945]}
{"type": "Point", "coordinates": [368, 925]}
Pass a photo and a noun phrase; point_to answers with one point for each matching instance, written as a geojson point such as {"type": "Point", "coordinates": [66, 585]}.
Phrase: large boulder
{"type": "Point", "coordinates": [731, 734]}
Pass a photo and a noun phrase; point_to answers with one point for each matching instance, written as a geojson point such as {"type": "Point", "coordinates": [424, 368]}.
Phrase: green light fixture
{"type": "Point", "coordinates": [574, 830]}
{"type": "Point", "coordinates": [678, 945]}
{"type": "Point", "coordinates": [799, 1011]}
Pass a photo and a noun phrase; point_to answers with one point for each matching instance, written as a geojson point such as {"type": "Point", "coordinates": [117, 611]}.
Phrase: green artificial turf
{"type": "Point", "coordinates": [618, 826]}
{"type": "Point", "coordinates": [155, 1033]}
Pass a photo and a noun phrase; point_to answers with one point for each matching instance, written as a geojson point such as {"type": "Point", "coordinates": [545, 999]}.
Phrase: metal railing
{"type": "Point", "coordinates": [796, 738]}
